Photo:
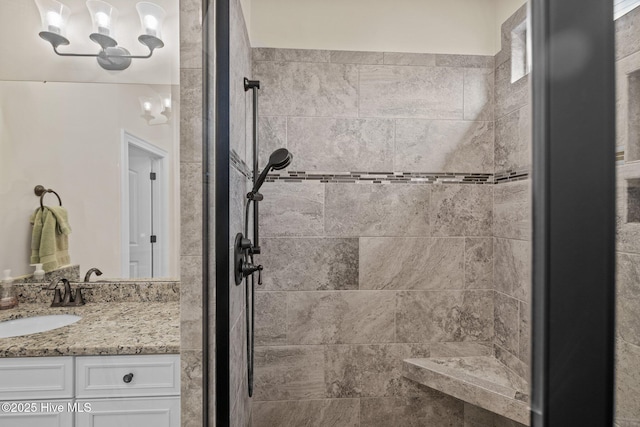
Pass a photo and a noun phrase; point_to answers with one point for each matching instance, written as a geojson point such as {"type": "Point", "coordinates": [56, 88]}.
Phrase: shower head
{"type": "Point", "coordinates": [279, 159]}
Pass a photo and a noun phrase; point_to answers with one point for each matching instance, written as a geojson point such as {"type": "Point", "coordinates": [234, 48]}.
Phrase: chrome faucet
{"type": "Point", "coordinates": [69, 299]}
{"type": "Point", "coordinates": [87, 277]}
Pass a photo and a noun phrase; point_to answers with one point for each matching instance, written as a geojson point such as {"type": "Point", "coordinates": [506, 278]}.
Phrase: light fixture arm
{"type": "Point", "coordinates": [104, 54]}
{"type": "Point", "coordinates": [111, 56]}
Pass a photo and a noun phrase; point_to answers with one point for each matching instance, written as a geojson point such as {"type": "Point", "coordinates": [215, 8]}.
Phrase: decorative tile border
{"type": "Point", "coordinates": [385, 177]}
{"type": "Point", "coordinates": [511, 175]}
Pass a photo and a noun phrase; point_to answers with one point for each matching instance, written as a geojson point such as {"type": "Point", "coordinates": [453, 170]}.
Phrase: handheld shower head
{"type": "Point", "coordinates": [279, 159]}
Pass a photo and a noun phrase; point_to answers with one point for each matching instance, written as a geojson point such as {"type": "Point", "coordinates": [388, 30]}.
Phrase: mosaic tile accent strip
{"type": "Point", "coordinates": [511, 175]}
{"type": "Point", "coordinates": [398, 177]}
{"type": "Point", "coordinates": [384, 177]}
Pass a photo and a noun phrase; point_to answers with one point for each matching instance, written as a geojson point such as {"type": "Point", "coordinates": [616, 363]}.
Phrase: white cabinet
{"type": "Point", "coordinates": [90, 391]}
{"type": "Point", "coordinates": [138, 412]}
{"type": "Point", "coordinates": [44, 417]}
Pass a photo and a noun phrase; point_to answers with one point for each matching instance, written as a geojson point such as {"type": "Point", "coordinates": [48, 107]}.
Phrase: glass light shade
{"type": "Point", "coordinates": [148, 107]}
{"type": "Point", "coordinates": [166, 102]}
{"type": "Point", "coordinates": [151, 18]}
{"type": "Point", "coordinates": [54, 16]}
{"type": "Point", "coordinates": [103, 16]}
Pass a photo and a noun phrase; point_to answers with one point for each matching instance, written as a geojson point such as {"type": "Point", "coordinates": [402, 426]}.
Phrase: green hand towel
{"type": "Point", "coordinates": [49, 239]}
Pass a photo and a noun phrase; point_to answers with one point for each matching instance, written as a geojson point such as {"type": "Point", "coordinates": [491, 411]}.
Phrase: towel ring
{"type": "Point", "coordinates": [41, 191]}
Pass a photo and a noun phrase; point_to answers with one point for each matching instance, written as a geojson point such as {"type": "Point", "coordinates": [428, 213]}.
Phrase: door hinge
{"type": "Point", "coordinates": [152, 176]}
{"type": "Point", "coordinates": [154, 238]}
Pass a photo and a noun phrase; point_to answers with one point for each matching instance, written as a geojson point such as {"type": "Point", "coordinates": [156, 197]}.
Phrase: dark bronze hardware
{"type": "Point", "coordinates": [68, 299]}
{"type": "Point", "coordinates": [87, 277]}
{"type": "Point", "coordinates": [41, 191]}
{"type": "Point", "coordinates": [127, 378]}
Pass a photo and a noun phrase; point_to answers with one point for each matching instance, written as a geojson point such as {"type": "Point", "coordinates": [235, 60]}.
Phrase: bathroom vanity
{"type": "Point", "coordinates": [118, 365]}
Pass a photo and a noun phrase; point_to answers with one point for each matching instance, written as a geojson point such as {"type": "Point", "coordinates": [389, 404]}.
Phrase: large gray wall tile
{"type": "Point", "coordinates": [287, 89]}
{"type": "Point", "coordinates": [507, 322]}
{"type": "Point", "coordinates": [377, 210]}
{"type": "Point", "coordinates": [308, 413]}
{"type": "Point", "coordinates": [419, 59]}
{"type": "Point", "coordinates": [301, 55]}
{"type": "Point", "coordinates": [427, 316]}
{"type": "Point", "coordinates": [444, 146]}
{"type": "Point", "coordinates": [512, 267]}
{"type": "Point", "coordinates": [411, 263]}
{"type": "Point", "coordinates": [478, 94]}
{"type": "Point", "coordinates": [464, 61]}
{"type": "Point", "coordinates": [478, 263]}
{"type": "Point", "coordinates": [412, 92]}
{"type": "Point", "coordinates": [271, 318]}
{"type": "Point", "coordinates": [341, 145]}
{"type": "Point", "coordinates": [190, 208]}
{"type": "Point", "coordinates": [292, 209]}
{"type": "Point", "coordinates": [369, 370]}
{"type": "Point", "coordinates": [627, 34]}
{"type": "Point", "coordinates": [191, 115]}
{"type": "Point", "coordinates": [340, 317]}
{"type": "Point", "coordinates": [509, 96]}
{"type": "Point", "coordinates": [191, 388]}
{"type": "Point", "coordinates": [512, 210]}
{"type": "Point", "coordinates": [263, 54]}
{"type": "Point", "coordinates": [461, 210]}
{"type": "Point", "coordinates": [309, 264]}
{"type": "Point", "coordinates": [477, 417]}
{"type": "Point", "coordinates": [289, 373]}
{"type": "Point", "coordinates": [190, 34]}
{"type": "Point", "coordinates": [190, 302]}
{"type": "Point", "coordinates": [432, 408]}
{"type": "Point", "coordinates": [239, 68]}
{"type": "Point", "coordinates": [272, 134]}
{"type": "Point", "coordinates": [356, 57]}
{"type": "Point", "coordinates": [628, 297]}
{"type": "Point", "coordinates": [513, 140]}
{"type": "Point", "coordinates": [627, 380]}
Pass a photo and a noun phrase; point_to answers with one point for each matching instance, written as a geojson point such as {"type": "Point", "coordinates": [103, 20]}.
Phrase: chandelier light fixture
{"type": "Point", "coordinates": [55, 15]}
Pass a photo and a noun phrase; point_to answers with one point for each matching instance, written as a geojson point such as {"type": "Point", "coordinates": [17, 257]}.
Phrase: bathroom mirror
{"type": "Point", "coordinates": [105, 141]}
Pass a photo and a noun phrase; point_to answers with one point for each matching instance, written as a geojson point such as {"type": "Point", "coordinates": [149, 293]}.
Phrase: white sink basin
{"type": "Point", "coordinates": [33, 325]}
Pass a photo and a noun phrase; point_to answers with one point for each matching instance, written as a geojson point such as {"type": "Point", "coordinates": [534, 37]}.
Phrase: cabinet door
{"type": "Point", "coordinates": [137, 412]}
{"type": "Point", "coordinates": [42, 418]}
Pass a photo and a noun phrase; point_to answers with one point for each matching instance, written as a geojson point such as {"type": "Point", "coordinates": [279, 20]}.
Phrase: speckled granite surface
{"type": "Point", "coordinates": [105, 329]}
{"type": "Point", "coordinates": [480, 380]}
{"type": "Point", "coordinates": [106, 291]}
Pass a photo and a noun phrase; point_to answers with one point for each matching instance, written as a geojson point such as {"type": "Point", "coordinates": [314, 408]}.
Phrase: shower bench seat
{"type": "Point", "coordinates": [480, 380]}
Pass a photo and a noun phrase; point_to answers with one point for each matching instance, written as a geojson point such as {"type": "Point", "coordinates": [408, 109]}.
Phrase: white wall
{"type": "Point", "coordinates": [435, 26]}
{"type": "Point", "coordinates": [67, 136]}
{"type": "Point", "coordinates": [25, 56]}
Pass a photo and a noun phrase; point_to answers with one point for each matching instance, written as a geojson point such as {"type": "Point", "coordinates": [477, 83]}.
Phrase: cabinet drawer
{"type": "Point", "coordinates": [139, 412]}
{"type": "Point", "coordinates": [36, 378]}
{"type": "Point", "coordinates": [128, 376]}
{"type": "Point", "coordinates": [43, 417]}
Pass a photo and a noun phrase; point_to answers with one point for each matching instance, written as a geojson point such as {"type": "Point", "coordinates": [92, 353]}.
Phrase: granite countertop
{"type": "Point", "coordinates": [105, 329]}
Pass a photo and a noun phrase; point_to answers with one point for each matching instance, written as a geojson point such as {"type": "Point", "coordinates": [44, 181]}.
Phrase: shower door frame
{"type": "Point", "coordinates": [573, 213]}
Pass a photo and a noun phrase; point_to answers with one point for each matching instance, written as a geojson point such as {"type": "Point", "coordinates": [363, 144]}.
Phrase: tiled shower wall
{"type": "Point", "coordinates": [191, 212]}
{"type": "Point", "coordinates": [628, 224]}
{"type": "Point", "coordinates": [512, 204]}
{"type": "Point", "coordinates": [360, 275]}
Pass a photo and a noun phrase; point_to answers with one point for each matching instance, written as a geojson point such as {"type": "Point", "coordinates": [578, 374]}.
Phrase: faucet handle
{"type": "Point", "coordinates": [79, 299]}
{"type": "Point", "coordinates": [57, 298]}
